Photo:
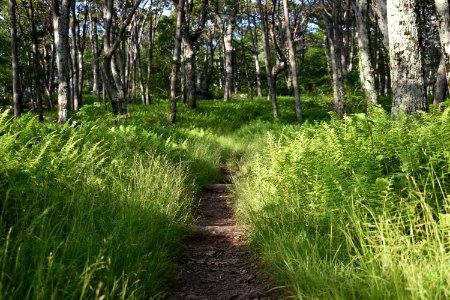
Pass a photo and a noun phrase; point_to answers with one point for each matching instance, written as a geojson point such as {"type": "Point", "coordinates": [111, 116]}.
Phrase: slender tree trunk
{"type": "Point", "coordinates": [36, 64]}
{"type": "Point", "coordinates": [189, 37]}
{"type": "Point", "coordinates": [228, 53]}
{"type": "Point", "coordinates": [81, 49]}
{"type": "Point", "coordinates": [75, 65]}
{"type": "Point", "coordinates": [382, 21]}
{"type": "Point", "coordinates": [150, 61]}
{"type": "Point", "coordinates": [405, 58]}
{"type": "Point", "coordinates": [189, 72]}
{"type": "Point", "coordinates": [441, 87]}
{"type": "Point", "coordinates": [15, 59]}
{"type": "Point", "coordinates": [345, 33]}
{"type": "Point", "coordinates": [115, 88]}
{"type": "Point", "coordinates": [365, 61]}
{"type": "Point", "coordinates": [179, 4]}
{"type": "Point", "coordinates": [442, 9]}
{"type": "Point", "coordinates": [50, 62]}
{"type": "Point", "coordinates": [292, 63]}
{"type": "Point", "coordinates": [377, 58]}
{"type": "Point", "coordinates": [95, 58]}
{"type": "Point", "coordinates": [256, 58]}
{"type": "Point", "coordinates": [270, 80]}
{"type": "Point", "coordinates": [210, 69]}
{"type": "Point", "coordinates": [140, 75]}
{"type": "Point", "coordinates": [335, 58]}
{"type": "Point", "coordinates": [131, 80]}
{"type": "Point", "coordinates": [61, 14]}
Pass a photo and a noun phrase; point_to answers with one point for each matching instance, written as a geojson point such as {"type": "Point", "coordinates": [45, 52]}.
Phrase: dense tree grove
{"type": "Point", "coordinates": [327, 119]}
{"type": "Point", "coordinates": [54, 51]}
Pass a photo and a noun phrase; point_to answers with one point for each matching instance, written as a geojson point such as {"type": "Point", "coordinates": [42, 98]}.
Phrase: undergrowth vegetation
{"type": "Point", "coordinates": [100, 209]}
{"type": "Point", "coordinates": [353, 209]}
{"type": "Point", "coordinates": [340, 209]}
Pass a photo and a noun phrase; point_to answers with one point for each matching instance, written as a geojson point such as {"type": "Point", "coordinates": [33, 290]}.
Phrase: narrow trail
{"type": "Point", "coordinates": [217, 264]}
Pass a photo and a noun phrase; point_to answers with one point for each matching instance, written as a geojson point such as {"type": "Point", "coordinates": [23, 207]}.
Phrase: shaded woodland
{"type": "Point", "coordinates": [329, 117]}
{"type": "Point", "coordinates": [55, 52]}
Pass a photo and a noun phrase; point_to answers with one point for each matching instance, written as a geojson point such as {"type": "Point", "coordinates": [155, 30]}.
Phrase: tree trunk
{"type": "Point", "coordinates": [253, 36]}
{"type": "Point", "coordinates": [210, 69]}
{"type": "Point", "coordinates": [36, 64]}
{"type": "Point", "coordinates": [405, 58]}
{"type": "Point", "coordinates": [50, 62]}
{"type": "Point", "coordinates": [151, 38]}
{"type": "Point", "coordinates": [441, 87]}
{"type": "Point", "coordinates": [61, 14]}
{"type": "Point", "coordinates": [15, 59]}
{"type": "Point", "coordinates": [376, 58]}
{"type": "Point", "coordinates": [345, 33]}
{"type": "Point", "coordinates": [179, 4]}
{"type": "Point", "coordinates": [442, 9]}
{"type": "Point", "coordinates": [75, 65]}
{"type": "Point", "coordinates": [95, 58]}
{"type": "Point", "coordinates": [292, 63]}
{"type": "Point", "coordinates": [266, 45]}
{"type": "Point", "coordinates": [228, 53]}
{"type": "Point", "coordinates": [81, 49]}
{"type": "Point", "coordinates": [140, 75]}
{"type": "Point", "coordinates": [115, 88]}
{"type": "Point", "coordinates": [335, 57]}
{"type": "Point", "coordinates": [365, 61]}
{"type": "Point", "coordinates": [189, 73]}
{"type": "Point", "coordinates": [382, 21]}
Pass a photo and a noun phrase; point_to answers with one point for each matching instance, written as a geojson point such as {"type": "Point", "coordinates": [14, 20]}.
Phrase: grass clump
{"type": "Point", "coordinates": [91, 212]}
{"type": "Point", "coordinates": [353, 209]}
{"type": "Point", "coordinates": [100, 210]}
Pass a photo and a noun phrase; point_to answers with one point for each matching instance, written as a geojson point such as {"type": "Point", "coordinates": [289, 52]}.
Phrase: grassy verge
{"type": "Point", "coordinates": [353, 209]}
{"type": "Point", "coordinates": [99, 210]}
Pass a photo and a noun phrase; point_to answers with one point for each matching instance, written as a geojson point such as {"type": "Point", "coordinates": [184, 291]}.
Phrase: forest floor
{"type": "Point", "coordinates": [217, 262]}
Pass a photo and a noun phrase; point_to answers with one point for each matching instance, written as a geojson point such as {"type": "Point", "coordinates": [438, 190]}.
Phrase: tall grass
{"type": "Point", "coordinates": [353, 209]}
{"type": "Point", "coordinates": [99, 211]}
{"type": "Point", "coordinates": [95, 211]}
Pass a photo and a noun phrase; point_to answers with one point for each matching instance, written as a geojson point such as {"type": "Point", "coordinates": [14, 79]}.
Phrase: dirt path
{"type": "Point", "coordinates": [217, 264]}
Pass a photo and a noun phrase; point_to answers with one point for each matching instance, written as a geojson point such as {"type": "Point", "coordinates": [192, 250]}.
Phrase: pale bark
{"type": "Point", "coordinates": [228, 53]}
{"type": "Point", "coordinates": [334, 53]}
{"type": "Point", "coordinates": [153, 20]}
{"type": "Point", "coordinates": [81, 49]}
{"type": "Point", "coordinates": [442, 9]}
{"type": "Point", "coordinates": [382, 21]}
{"type": "Point", "coordinates": [76, 70]}
{"type": "Point", "coordinates": [49, 62]}
{"type": "Point", "coordinates": [210, 69]}
{"type": "Point", "coordinates": [189, 72]}
{"type": "Point", "coordinates": [189, 40]}
{"type": "Point", "coordinates": [255, 50]}
{"type": "Point", "coordinates": [365, 61]}
{"type": "Point", "coordinates": [61, 14]}
{"type": "Point", "coordinates": [14, 58]}
{"type": "Point", "coordinates": [115, 88]}
{"type": "Point", "coordinates": [179, 4]}
{"type": "Point", "coordinates": [346, 37]}
{"type": "Point", "coordinates": [36, 64]}
{"type": "Point", "coordinates": [266, 45]}
{"type": "Point", "coordinates": [405, 58]}
{"type": "Point", "coordinates": [137, 41]}
{"type": "Point", "coordinates": [292, 63]}
{"type": "Point", "coordinates": [151, 35]}
{"type": "Point", "coordinates": [95, 51]}
{"type": "Point", "coordinates": [441, 87]}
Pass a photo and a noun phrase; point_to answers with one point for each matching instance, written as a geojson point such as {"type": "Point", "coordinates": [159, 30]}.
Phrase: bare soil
{"type": "Point", "coordinates": [217, 262]}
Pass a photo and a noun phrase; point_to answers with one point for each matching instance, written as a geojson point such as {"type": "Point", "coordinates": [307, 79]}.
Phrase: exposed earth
{"type": "Point", "coordinates": [217, 263]}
